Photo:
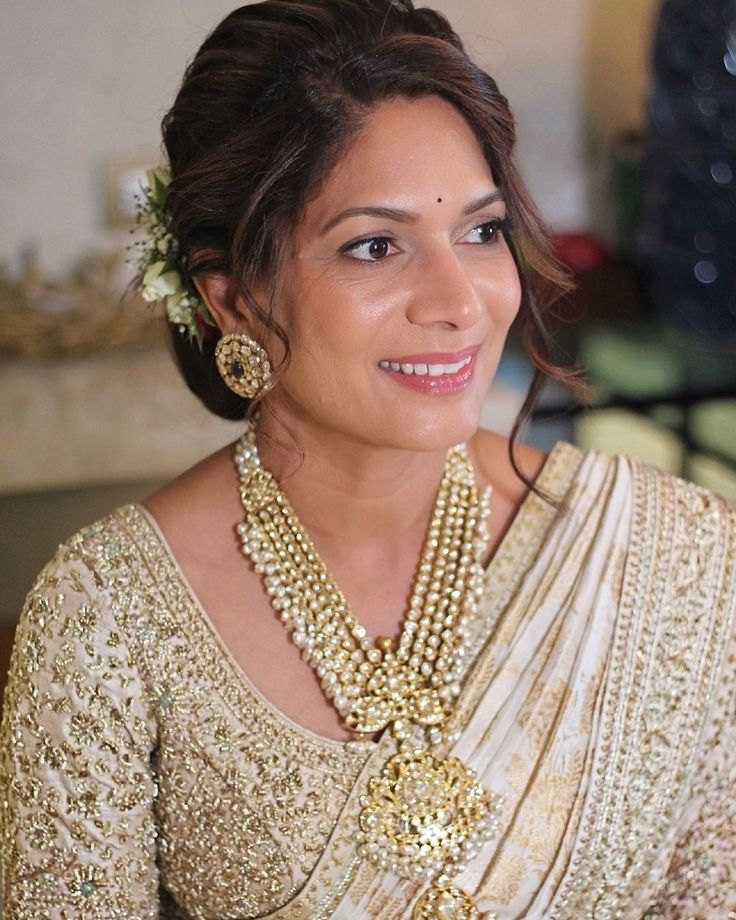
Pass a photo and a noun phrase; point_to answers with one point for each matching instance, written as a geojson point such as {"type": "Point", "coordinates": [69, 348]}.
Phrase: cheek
{"type": "Point", "coordinates": [323, 342]}
{"type": "Point", "coordinates": [502, 294]}
{"type": "Point", "coordinates": [514, 296]}
{"type": "Point", "coordinates": [339, 317]}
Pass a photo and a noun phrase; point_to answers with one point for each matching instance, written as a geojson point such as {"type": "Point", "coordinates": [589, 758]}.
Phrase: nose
{"type": "Point", "coordinates": [444, 292]}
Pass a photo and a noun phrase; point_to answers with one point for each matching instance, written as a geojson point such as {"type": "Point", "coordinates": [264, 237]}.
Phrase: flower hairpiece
{"type": "Point", "coordinates": [161, 271]}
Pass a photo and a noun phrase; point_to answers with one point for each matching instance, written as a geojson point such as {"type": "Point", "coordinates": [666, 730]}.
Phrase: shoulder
{"type": "Point", "coordinates": [72, 593]}
{"type": "Point", "coordinates": [697, 508]}
{"type": "Point", "coordinates": [666, 511]}
{"type": "Point", "coordinates": [78, 562]}
{"type": "Point", "coordinates": [76, 636]}
{"type": "Point", "coordinates": [682, 550]}
{"type": "Point", "coordinates": [551, 474]}
{"type": "Point", "coordinates": [492, 460]}
{"type": "Point", "coordinates": [203, 502]}
{"type": "Point", "coordinates": [86, 557]}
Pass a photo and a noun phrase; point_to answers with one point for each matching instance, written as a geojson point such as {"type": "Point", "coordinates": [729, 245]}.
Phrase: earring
{"type": "Point", "coordinates": [243, 364]}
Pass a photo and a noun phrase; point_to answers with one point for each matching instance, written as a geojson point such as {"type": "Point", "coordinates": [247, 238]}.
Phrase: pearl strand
{"type": "Point", "coordinates": [371, 684]}
{"type": "Point", "coordinates": [426, 814]}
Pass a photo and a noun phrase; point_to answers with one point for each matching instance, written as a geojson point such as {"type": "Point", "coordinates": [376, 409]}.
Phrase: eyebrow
{"type": "Point", "coordinates": [406, 217]}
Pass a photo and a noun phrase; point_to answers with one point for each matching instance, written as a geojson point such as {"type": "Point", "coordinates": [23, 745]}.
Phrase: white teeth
{"type": "Point", "coordinates": [454, 368]}
{"type": "Point", "coordinates": [434, 370]}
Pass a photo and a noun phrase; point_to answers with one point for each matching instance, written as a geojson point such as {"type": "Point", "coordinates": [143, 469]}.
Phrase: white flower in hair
{"type": "Point", "coordinates": [162, 277]}
{"type": "Point", "coordinates": [159, 284]}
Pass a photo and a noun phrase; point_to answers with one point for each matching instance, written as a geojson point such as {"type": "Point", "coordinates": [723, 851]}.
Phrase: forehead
{"type": "Point", "coordinates": [407, 150]}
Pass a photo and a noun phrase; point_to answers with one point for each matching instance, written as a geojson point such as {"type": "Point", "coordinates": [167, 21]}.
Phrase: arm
{"type": "Point", "coordinates": [76, 787]}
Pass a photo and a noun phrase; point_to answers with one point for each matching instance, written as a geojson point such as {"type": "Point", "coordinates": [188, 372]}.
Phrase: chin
{"type": "Point", "coordinates": [435, 428]}
{"type": "Point", "coordinates": [436, 421]}
{"type": "Point", "coordinates": [425, 423]}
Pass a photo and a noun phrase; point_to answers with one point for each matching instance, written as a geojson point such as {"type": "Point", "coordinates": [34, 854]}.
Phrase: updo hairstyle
{"type": "Point", "coordinates": [270, 103]}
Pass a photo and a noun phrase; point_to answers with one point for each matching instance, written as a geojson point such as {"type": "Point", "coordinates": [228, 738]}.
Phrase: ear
{"type": "Point", "coordinates": [222, 298]}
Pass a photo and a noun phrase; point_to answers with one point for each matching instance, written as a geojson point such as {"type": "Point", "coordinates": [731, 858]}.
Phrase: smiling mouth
{"type": "Point", "coordinates": [425, 370]}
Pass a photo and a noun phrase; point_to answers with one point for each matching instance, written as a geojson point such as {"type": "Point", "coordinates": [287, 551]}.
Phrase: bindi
{"type": "Point", "coordinates": [439, 201]}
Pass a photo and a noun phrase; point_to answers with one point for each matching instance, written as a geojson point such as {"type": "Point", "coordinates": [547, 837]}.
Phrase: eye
{"type": "Point", "coordinates": [490, 231]}
{"type": "Point", "coordinates": [371, 249]}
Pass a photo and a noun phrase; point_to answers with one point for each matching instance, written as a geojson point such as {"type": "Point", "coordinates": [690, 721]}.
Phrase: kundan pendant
{"type": "Point", "coordinates": [425, 814]}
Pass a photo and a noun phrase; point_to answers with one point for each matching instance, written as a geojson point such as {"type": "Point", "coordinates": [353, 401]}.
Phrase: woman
{"type": "Point", "coordinates": [397, 705]}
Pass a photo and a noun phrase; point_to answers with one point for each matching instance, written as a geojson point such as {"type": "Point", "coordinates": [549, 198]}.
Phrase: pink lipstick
{"type": "Point", "coordinates": [435, 372]}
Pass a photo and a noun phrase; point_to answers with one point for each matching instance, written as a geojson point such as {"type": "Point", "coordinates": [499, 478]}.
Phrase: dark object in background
{"type": "Point", "coordinates": [625, 204]}
{"type": "Point", "coordinates": [688, 236]}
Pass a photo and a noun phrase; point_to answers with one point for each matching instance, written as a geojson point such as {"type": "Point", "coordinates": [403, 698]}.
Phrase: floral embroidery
{"type": "Point", "coordinates": [142, 777]}
{"type": "Point", "coordinates": [676, 618]}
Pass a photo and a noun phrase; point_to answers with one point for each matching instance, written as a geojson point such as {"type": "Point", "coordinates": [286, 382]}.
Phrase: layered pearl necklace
{"type": "Point", "coordinates": [425, 814]}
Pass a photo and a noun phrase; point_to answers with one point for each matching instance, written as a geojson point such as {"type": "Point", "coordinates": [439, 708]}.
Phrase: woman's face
{"type": "Point", "coordinates": [401, 288]}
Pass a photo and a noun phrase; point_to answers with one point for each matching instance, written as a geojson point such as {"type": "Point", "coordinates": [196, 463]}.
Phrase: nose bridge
{"type": "Point", "coordinates": [445, 290]}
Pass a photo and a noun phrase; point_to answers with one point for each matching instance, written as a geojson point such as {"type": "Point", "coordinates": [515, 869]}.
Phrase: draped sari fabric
{"type": "Point", "coordinates": [604, 663]}
{"type": "Point", "coordinates": [142, 775]}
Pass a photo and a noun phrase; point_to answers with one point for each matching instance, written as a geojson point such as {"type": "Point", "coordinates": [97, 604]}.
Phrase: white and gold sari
{"type": "Point", "coordinates": [599, 703]}
{"type": "Point", "coordinates": [601, 706]}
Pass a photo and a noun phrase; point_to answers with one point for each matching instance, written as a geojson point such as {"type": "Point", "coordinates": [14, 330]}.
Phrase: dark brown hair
{"type": "Point", "coordinates": [268, 105]}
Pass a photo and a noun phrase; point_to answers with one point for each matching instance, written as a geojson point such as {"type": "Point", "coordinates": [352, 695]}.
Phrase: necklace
{"type": "Point", "coordinates": [425, 814]}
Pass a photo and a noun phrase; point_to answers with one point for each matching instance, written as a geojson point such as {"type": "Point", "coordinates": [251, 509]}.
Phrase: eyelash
{"type": "Point", "coordinates": [500, 226]}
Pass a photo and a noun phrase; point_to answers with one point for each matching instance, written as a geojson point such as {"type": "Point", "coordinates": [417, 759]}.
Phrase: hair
{"type": "Point", "coordinates": [267, 107]}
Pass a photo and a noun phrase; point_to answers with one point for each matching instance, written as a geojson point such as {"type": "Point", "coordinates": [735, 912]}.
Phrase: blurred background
{"type": "Point", "coordinates": [627, 123]}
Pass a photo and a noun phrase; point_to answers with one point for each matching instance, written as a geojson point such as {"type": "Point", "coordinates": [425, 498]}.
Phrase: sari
{"type": "Point", "coordinates": [601, 706]}
{"type": "Point", "coordinates": [598, 703]}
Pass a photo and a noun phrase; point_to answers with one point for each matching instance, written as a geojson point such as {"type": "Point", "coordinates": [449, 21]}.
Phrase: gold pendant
{"type": "Point", "coordinates": [445, 902]}
{"type": "Point", "coordinates": [417, 703]}
{"type": "Point", "coordinates": [423, 814]}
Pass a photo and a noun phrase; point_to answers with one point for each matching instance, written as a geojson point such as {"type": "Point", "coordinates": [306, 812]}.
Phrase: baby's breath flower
{"type": "Point", "coordinates": [161, 270]}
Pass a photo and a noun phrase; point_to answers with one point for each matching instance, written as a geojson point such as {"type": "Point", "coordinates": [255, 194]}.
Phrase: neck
{"type": "Point", "coordinates": [349, 492]}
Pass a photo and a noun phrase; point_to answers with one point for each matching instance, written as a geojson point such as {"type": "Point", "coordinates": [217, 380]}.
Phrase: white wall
{"type": "Point", "coordinates": [535, 50]}
{"type": "Point", "coordinates": [84, 81]}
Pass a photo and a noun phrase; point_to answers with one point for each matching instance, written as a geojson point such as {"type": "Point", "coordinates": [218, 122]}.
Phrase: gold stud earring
{"type": "Point", "coordinates": [243, 364]}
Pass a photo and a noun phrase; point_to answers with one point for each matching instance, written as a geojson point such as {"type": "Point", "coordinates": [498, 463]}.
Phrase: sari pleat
{"type": "Point", "coordinates": [584, 604]}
